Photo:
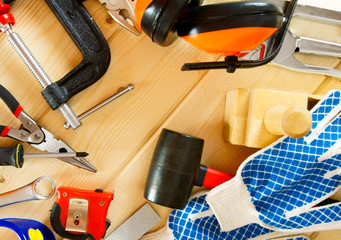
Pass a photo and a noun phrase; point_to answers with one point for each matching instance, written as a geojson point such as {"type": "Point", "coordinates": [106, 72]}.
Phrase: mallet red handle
{"type": "Point", "coordinates": [210, 178]}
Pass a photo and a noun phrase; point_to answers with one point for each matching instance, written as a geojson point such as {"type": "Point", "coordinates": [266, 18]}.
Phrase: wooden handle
{"type": "Point", "coordinates": [292, 121]}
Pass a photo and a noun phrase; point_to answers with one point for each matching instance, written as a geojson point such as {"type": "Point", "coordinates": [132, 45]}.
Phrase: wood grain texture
{"type": "Point", "coordinates": [121, 137]}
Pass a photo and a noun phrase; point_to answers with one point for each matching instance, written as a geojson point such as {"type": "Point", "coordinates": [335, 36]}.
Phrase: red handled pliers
{"type": "Point", "coordinates": [35, 135]}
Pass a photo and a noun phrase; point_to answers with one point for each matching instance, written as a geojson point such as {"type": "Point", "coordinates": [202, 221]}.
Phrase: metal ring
{"type": "Point", "coordinates": [53, 188]}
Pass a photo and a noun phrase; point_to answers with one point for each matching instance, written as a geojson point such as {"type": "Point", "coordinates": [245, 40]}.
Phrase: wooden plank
{"type": "Point", "coordinates": [205, 104]}
{"type": "Point", "coordinates": [121, 137]}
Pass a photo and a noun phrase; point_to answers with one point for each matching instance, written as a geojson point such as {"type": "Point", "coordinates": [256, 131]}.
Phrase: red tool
{"type": "Point", "coordinates": [5, 16]}
{"type": "Point", "coordinates": [81, 214]}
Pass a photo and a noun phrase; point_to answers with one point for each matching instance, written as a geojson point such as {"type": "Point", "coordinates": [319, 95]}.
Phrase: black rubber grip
{"type": "Point", "coordinates": [215, 17]}
{"type": "Point", "coordinates": [12, 156]}
{"type": "Point", "coordinates": [9, 99]}
{"type": "Point", "coordinates": [199, 180]}
{"type": "Point", "coordinates": [91, 43]}
{"type": "Point", "coordinates": [8, 1]}
{"type": "Point", "coordinates": [2, 128]}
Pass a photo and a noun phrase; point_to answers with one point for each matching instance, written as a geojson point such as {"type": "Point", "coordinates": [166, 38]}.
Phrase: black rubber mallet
{"type": "Point", "coordinates": [176, 168]}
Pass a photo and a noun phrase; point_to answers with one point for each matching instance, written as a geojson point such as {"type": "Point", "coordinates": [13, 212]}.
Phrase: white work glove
{"type": "Point", "coordinates": [189, 223]}
{"type": "Point", "coordinates": [278, 186]}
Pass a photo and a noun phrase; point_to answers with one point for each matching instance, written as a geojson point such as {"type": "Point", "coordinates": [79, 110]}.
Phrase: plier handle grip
{"type": "Point", "coordinates": [35, 135]}
{"type": "Point", "coordinates": [30, 132]}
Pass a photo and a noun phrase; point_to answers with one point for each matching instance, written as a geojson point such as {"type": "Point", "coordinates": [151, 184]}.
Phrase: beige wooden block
{"type": "Point", "coordinates": [292, 121]}
{"type": "Point", "coordinates": [235, 117]}
{"type": "Point", "coordinates": [261, 100]}
{"type": "Point", "coordinates": [270, 118]}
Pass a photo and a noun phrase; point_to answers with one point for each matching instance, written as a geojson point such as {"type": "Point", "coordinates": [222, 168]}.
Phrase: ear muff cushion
{"type": "Point", "coordinates": [151, 15]}
{"type": "Point", "coordinates": [229, 15]}
{"type": "Point", "coordinates": [160, 17]}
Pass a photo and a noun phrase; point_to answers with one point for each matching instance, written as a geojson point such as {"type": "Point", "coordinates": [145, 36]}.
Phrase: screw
{"type": "Point", "coordinates": [101, 203]}
{"type": "Point", "coordinates": [109, 19]}
{"type": "Point", "coordinates": [2, 179]}
{"type": "Point", "coordinates": [64, 194]}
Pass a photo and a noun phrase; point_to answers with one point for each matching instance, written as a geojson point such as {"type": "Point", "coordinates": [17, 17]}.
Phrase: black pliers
{"type": "Point", "coordinates": [35, 135]}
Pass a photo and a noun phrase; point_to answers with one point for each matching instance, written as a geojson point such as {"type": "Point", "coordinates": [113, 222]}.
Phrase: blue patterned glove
{"type": "Point", "coordinates": [278, 186]}
{"type": "Point", "coordinates": [188, 224]}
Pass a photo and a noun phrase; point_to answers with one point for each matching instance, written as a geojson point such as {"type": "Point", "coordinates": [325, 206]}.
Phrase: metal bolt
{"type": "Point", "coordinates": [37, 136]}
{"type": "Point", "coordinates": [101, 203]}
{"type": "Point", "coordinates": [120, 92]}
{"type": "Point", "coordinates": [64, 194]}
{"type": "Point", "coordinates": [23, 134]}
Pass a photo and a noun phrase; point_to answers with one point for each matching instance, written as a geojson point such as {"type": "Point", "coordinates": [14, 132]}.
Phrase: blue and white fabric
{"type": "Point", "coordinates": [278, 186]}
{"type": "Point", "coordinates": [186, 224]}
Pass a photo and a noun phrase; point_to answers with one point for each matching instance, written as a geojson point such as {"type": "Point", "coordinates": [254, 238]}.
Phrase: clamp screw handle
{"type": "Point", "coordinates": [4, 8]}
{"type": "Point", "coordinates": [5, 16]}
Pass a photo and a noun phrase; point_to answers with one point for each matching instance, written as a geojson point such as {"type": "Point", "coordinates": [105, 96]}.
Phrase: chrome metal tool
{"type": "Point", "coordinates": [35, 190]}
{"type": "Point", "coordinates": [294, 44]}
{"type": "Point", "coordinates": [119, 93]}
{"type": "Point", "coordinates": [313, 13]}
{"type": "Point", "coordinates": [137, 225]}
{"type": "Point", "coordinates": [122, 12]}
{"type": "Point", "coordinates": [15, 155]}
{"type": "Point", "coordinates": [35, 135]}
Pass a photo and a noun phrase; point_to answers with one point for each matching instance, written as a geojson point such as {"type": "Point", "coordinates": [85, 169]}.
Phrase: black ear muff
{"type": "Point", "coordinates": [243, 25]}
{"type": "Point", "coordinates": [215, 17]}
{"type": "Point", "coordinates": [160, 17]}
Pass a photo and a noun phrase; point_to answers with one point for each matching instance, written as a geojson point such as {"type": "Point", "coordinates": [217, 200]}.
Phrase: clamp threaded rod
{"type": "Point", "coordinates": [37, 71]}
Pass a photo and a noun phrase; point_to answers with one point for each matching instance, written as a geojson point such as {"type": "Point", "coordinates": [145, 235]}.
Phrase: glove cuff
{"type": "Point", "coordinates": [231, 204]}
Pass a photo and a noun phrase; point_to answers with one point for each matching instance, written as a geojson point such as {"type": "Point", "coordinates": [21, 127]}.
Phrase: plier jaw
{"type": "Point", "coordinates": [35, 135]}
{"type": "Point", "coordinates": [122, 12]}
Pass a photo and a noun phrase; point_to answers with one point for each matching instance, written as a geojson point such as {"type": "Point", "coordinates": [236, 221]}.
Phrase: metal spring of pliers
{"type": "Point", "coordinates": [35, 135]}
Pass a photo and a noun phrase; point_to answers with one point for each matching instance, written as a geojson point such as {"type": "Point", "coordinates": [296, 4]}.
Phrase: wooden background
{"type": "Point", "coordinates": [121, 137]}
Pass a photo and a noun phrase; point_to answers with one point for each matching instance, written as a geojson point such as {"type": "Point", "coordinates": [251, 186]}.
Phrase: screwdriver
{"type": "Point", "coordinates": [14, 156]}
